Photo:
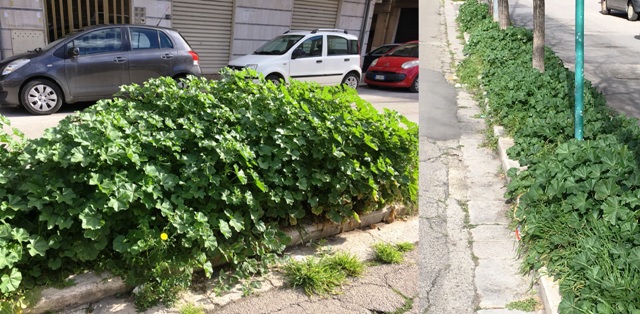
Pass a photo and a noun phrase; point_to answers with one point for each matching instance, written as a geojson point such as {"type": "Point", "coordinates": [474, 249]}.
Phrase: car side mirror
{"type": "Point", "coordinates": [74, 52]}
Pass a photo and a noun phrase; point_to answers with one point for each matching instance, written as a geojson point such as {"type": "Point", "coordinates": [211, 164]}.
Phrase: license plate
{"type": "Point", "coordinates": [379, 78]}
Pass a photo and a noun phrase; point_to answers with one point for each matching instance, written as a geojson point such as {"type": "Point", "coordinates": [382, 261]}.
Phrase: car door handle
{"type": "Point", "coordinates": [119, 59]}
{"type": "Point", "coordinates": [318, 61]}
{"type": "Point", "coordinates": [347, 60]}
{"type": "Point", "coordinates": [167, 56]}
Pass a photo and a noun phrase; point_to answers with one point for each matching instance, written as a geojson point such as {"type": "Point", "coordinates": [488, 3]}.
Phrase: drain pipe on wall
{"type": "Point", "coordinates": [365, 19]}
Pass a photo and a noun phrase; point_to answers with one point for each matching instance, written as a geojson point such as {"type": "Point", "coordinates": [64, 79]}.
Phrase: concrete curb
{"type": "Point", "coordinates": [91, 287]}
{"type": "Point", "coordinates": [549, 289]}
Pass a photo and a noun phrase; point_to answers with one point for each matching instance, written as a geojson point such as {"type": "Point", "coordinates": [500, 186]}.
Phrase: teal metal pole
{"type": "Point", "coordinates": [579, 85]}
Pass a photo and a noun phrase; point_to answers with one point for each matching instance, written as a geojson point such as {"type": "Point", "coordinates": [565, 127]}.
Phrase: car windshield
{"type": "Point", "coordinates": [51, 44]}
{"type": "Point", "coordinates": [278, 45]}
{"type": "Point", "coordinates": [382, 50]}
{"type": "Point", "coordinates": [408, 50]}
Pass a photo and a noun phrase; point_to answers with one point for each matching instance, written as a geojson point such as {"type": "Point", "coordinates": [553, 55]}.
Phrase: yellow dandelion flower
{"type": "Point", "coordinates": [164, 236]}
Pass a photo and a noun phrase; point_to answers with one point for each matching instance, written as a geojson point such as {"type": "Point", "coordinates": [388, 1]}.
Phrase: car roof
{"type": "Point", "coordinates": [323, 31]}
{"type": "Point", "coordinates": [127, 25]}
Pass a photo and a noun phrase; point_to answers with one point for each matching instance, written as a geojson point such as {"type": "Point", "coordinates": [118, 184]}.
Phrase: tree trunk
{"type": "Point", "coordinates": [503, 9]}
{"type": "Point", "coordinates": [490, 7]}
{"type": "Point", "coordinates": [538, 35]}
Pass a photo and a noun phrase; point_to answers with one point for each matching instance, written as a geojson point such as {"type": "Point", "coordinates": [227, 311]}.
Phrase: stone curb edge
{"type": "Point", "coordinates": [91, 287]}
{"type": "Point", "coordinates": [549, 289]}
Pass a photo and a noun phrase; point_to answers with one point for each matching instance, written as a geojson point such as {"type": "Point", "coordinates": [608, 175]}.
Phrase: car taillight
{"type": "Point", "coordinates": [194, 55]}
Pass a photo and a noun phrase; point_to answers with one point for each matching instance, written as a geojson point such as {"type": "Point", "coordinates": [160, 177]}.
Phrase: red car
{"type": "Point", "coordinates": [398, 68]}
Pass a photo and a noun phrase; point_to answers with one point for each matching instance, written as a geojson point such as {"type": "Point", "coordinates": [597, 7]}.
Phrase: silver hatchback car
{"type": "Point", "coordinates": [92, 64]}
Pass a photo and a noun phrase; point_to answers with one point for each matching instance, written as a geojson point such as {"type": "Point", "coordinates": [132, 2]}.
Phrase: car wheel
{"type": "Point", "coordinates": [631, 13]}
{"type": "Point", "coordinates": [603, 7]}
{"type": "Point", "coordinates": [351, 80]}
{"type": "Point", "coordinates": [41, 97]}
{"type": "Point", "coordinates": [180, 81]}
{"type": "Point", "coordinates": [274, 78]}
{"type": "Point", "coordinates": [414, 86]}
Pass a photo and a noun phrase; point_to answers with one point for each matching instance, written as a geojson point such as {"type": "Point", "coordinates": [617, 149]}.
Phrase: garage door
{"type": "Point", "coordinates": [312, 14]}
{"type": "Point", "coordinates": [206, 24]}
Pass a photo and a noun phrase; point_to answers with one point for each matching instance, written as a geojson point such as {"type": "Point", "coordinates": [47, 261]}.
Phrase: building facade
{"type": "Point", "coordinates": [218, 30]}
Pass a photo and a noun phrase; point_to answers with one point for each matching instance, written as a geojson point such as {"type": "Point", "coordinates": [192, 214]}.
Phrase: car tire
{"type": "Point", "coordinates": [274, 78]}
{"type": "Point", "coordinates": [41, 97]}
{"type": "Point", "coordinates": [631, 13]}
{"type": "Point", "coordinates": [603, 7]}
{"type": "Point", "coordinates": [351, 80]}
{"type": "Point", "coordinates": [179, 81]}
{"type": "Point", "coordinates": [415, 85]}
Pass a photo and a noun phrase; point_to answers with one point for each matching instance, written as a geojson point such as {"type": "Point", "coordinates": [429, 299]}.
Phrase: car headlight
{"type": "Point", "coordinates": [252, 66]}
{"type": "Point", "coordinates": [410, 64]}
{"type": "Point", "coordinates": [14, 65]}
{"type": "Point", "coordinates": [373, 63]}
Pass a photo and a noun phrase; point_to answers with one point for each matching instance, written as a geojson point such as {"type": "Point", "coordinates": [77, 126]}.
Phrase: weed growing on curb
{"type": "Point", "coordinates": [314, 276]}
{"type": "Point", "coordinates": [348, 263]}
{"type": "Point", "coordinates": [526, 305]}
{"type": "Point", "coordinates": [405, 246]}
{"type": "Point", "coordinates": [191, 309]}
{"type": "Point", "coordinates": [406, 307]}
{"type": "Point", "coordinates": [323, 275]}
{"type": "Point", "coordinates": [391, 253]}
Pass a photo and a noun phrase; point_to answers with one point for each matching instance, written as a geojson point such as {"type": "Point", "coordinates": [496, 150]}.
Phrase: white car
{"type": "Point", "coordinates": [325, 56]}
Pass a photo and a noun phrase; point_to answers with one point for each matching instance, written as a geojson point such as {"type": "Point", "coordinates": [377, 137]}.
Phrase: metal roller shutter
{"type": "Point", "coordinates": [312, 14]}
{"type": "Point", "coordinates": [206, 24]}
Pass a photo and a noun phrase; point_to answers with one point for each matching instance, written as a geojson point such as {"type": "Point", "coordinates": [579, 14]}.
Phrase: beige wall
{"type": "Point", "coordinates": [21, 26]}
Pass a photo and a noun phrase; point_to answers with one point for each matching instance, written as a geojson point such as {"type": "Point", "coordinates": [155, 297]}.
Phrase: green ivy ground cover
{"type": "Point", "coordinates": [169, 181]}
{"type": "Point", "coordinates": [578, 202]}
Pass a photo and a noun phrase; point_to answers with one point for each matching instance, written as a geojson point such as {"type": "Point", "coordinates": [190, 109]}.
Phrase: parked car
{"type": "Point", "coordinates": [398, 68]}
{"type": "Point", "coordinates": [375, 54]}
{"type": "Point", "coordinates": [91, 64]}
{"type": "Point", "coordinates": [326, 56]}
{"type": "Point", "coordinates": [632, 7]}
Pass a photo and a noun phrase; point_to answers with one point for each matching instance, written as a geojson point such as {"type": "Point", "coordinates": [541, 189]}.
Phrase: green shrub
{"type": "Point", "coordinates": [167, 180]}
{"type": "Point", "coordinates": [578, 202]}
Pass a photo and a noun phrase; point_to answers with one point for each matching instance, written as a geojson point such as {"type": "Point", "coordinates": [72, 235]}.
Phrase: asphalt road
{"type": "Point", "coordinates": [611, 44]}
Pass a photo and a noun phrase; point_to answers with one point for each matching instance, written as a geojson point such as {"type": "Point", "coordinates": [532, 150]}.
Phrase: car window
{"type": "Point", "coordinates": [408, 50]}
{"type": "Point", "coordinates": [278, 45]}
{"type": "Point", "coordinates": [354, 47]}
{"type": "Point", "coordinates": [99, 41]}
{"type": "Point", "coordinates": [337, 45]}
{"type": "Point", "coordinates": [311, 47]}
{"type": "Point", "coordinates": [143, 38]}
{"type": "Point", "coordinates": [165, 41]}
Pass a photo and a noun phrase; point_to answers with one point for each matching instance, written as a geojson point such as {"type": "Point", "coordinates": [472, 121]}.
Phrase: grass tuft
{"type": "Point", "coordinates": [191, 309]}
{"type": "Point", "coordinates": [346, 262]}
{"type": "Point", "coordinates": [314, 275]}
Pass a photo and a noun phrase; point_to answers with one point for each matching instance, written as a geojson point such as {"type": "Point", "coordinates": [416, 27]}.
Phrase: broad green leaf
{"type": "Point", "coordinates": [224, 228]}
{"type": "Point", "coordinates": [258, 182]}
{"type": "Point", "coordinates": [54, 263]}
{"type": "Point", "coordinates": [612, 210]}
{"type": "Point", "coordinates": [237, 222]}
{"type": "Point", "coordinates": [9, 255]}
{"type": "Point", "coordinates": [302, 184]}
{"type": "Point", "coordinates": [20, 235]}
{"type": "Point", "coordinates": [604, 189]}
{"type": "Point", "coordinates": [120, 244]}
{"type": "Point", "coordinates": [37, 246]}
{"type": "Point", "coordinates": [67, 196]}
{"type": "Point", "coordinates": [91, 221]}
{"type": "Point", "coordinates": [240, 174]}
{"type": "Point", "coordinates": [11, 282]}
